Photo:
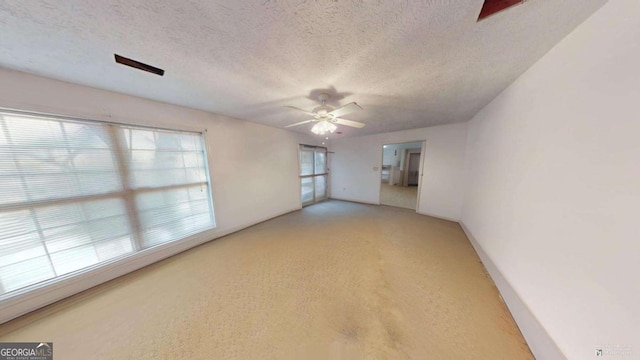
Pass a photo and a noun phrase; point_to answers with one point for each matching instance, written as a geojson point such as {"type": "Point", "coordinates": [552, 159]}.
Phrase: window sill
{"type": "Point", "coordinates": [20, 302]}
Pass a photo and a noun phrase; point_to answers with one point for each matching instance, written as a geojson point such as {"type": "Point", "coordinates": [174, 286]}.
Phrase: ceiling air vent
{"type": "Point", "coordinates": [491, 7]}
{"type": "Point", "coordinates": [138, 65]}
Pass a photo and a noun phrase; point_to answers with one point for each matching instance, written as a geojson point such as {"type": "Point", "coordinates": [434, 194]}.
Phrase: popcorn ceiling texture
{"type": "Point", "coordinates": [336, 280]}
{"type": "Point", "coordinates": [410, 64]}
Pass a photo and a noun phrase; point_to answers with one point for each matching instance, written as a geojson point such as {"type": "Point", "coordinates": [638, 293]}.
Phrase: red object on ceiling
{"type": "Point", "coordinates": [491, 7]}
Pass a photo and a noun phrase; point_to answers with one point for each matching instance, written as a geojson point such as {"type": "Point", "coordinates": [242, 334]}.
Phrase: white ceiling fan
{"type": "Point", "coordinates": [326, 117]}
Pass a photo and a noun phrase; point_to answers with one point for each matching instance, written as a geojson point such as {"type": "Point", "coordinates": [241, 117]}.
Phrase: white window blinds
{"type": "Point", "coordinates": [74, 194]}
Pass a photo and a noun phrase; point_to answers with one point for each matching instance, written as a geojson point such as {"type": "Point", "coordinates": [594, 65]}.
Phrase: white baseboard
{"type": "Point", "coordinates": [254, 223]}
{"type": "Point", "coordinates": [30, 299]}
{"type": "Point", "coordinates": [354, 200]}
{"type": "Point", "coordinates": [374, 203]}
{"type": "Point", "coordinates": [540, 343]}
{"type": "Point", "coordinates": [438, 216]}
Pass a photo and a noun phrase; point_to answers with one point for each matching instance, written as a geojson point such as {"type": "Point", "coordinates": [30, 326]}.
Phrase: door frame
{"type": "Point", "coordinates": [423, 156]}
{"type": "Point", "coordinates": [313, 149]}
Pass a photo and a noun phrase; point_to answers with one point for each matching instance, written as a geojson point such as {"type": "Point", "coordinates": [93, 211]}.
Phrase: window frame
{"type": "Point", "coordinates": [21, 301]}
{"type": "Point", "coordinates": [314, 175]}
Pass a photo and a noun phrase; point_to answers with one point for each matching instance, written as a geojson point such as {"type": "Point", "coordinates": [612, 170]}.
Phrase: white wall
{"type": "Point", "coordinates": [254, 168]}
{"type": "Point", "coordinates": [553, 186]}
{"type": "Point", "coordinates": [353, 176]}
{"type": "Point", "coordinates": [392, 154]}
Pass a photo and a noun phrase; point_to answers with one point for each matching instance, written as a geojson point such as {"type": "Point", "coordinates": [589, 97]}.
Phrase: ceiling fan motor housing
{"type": "Point", "coordinates": [325, 117]}
{"type": "Point", "coordinates": [323, 98]}
{"type": "Point", "coordinates": [323, 110]}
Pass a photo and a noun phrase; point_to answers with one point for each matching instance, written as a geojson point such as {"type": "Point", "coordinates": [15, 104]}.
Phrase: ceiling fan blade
{"type": "Point", "coordinates": [344, 110]}
{"type": "Point", "coordinates": [300, 123]}
{"type": "Point", "coordinates": [354, 124]}
{"type": "Point", "coordinates": [304, 111]}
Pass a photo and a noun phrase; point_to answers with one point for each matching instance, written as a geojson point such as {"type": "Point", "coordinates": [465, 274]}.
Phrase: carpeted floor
{"type": "Point", "coordinates": [336, 280]}
{"type": "Point", "coordinates": [400, 196]}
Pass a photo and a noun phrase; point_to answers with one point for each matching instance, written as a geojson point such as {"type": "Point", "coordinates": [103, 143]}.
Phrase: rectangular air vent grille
{"type": "Point", "coordinates": [138, 65]}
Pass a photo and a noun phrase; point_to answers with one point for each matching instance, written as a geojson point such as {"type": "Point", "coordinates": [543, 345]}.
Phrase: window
{"type": "Point", "coordinates": [75, 194]}
{"type": "Point", "coordinates": [313, 174]}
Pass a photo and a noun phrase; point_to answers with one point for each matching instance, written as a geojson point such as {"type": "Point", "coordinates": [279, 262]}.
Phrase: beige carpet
{"type": "Point", "coordinates": [336, 280]}
{"type": "Point", "coordinates": [400, 196]}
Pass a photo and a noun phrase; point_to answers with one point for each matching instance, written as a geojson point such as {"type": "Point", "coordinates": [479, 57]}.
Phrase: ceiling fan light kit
{"type": "Point", "coordinates": [323, 127]}
{"type": "Point", "coordinates": [326, 117]}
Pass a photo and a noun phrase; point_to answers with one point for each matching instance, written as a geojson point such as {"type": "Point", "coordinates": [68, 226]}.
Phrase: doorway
{"type": "Point", "coordinates": [401, 173]}
{"type": "Point", "coordinates": [313, 174]}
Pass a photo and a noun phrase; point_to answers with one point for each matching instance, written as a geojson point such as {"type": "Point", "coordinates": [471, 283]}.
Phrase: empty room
{"type": "Point", "coordinates": [327, 179]}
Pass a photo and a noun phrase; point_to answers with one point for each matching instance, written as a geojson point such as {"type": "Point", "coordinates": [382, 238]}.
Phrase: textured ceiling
{"type": "Point", "coordinates": [409, 64]}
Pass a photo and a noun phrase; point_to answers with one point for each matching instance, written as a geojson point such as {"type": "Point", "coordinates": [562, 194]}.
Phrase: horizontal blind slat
{"type": "Point", "coordinates": [65, 206]}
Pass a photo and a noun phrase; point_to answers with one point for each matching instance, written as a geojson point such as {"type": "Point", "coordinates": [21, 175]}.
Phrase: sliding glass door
{"type": "Point", "coordinates": [313, 174]}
